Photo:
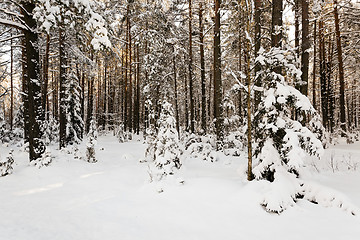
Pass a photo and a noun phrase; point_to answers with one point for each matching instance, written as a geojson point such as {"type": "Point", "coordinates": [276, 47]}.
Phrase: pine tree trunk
{"type": "Point", "coordinates": [176, 97]}
{"type": "Point", "coordinates": [25, 91]}
{"type": "Point", "coordinates": [98, 114]}
{"type": "Point", "coordinates": [105, 99]}
{"type": "Point", "coordinates": [330, 86]}
{"type": "Point", "coordinates": [341, 70]}
{"type": "Point", "coordinates": [248, 107]}
{"type": "Point", "coordinates": [36, 146]}
{"type": "Point", "coordinates": [45, 74]}
{"type": "Point", "coordinates": [305, 46]}
{"type": "Point", "coordinates": [82, 99]}
{"type": "Point", "coordinates": [218, 93]}
{"type": "Point", "coordinates": [11, 85]}
{"type": "Point", "coordinates": [276, 24]}
{"type": "Point", "coordinates": [191, 90]}
{"type": "Point", "coordinates": [130, 95]}
{"type": "Point", "coordinates": [62, 80]}
{"type": "Point", "coordinates": [276, 27]}
{"type": "Point", "coordinates": [90, 98]}
{"type": "Point", "coordinates": [186, 104]}
{"type": "Point", "coordinates": [126, 87]}
{"type": "Point", "coordinates": [257, 19]}
{"type": "Point", "coordinates": [202, 70]}
{"type": "Point", "coordinates": [314, 68]}
{"type": "Point", "coordinates": [297, 28]}
{"type": "Point", "coordinates": [324, 93]}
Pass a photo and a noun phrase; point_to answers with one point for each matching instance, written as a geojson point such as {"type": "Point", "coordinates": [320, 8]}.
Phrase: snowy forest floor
{"type": "Point", "coordinates": [113, 199]}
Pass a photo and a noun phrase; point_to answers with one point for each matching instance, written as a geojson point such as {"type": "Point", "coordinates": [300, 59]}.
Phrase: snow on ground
{"type": "Point", "coordinates": [112, 199]}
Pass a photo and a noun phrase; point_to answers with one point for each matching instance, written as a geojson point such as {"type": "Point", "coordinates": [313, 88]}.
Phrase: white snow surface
{"type": "Point", "coordinates": [113, 199]}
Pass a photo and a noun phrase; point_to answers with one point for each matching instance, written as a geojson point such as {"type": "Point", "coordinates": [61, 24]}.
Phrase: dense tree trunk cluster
{"type": "Point", "coordinates": [204, 57]}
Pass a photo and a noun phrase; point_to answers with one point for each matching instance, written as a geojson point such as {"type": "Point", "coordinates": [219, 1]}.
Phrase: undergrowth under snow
{"type": "Point", "coordinates": [113, 199]}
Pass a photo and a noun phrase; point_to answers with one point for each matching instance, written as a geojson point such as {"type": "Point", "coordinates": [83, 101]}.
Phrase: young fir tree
{"type": "Point", "coordinates": [282, 142]}
{"type": "Point", "coordinates": [45, 160]}
{"type": "Point", "coordinates": [163, 153]}
{"type": "Point", "coordinates": [6, 167]}
{"type": "Point", "coordinates": [120, 133]}
{"type": "Point", "coordinates": [74, 123]}
{"type": "Point", "coordinates": [51, 129]}
{"type": "Point", "coordinates": [91, 142]}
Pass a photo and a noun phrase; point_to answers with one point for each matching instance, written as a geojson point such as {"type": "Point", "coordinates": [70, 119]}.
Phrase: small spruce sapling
{"type": "Point", "coordinates": [45, 160]}
{"type": "Point", "coordinates": [120, 133]}
{"type": "Point", "coordinates": [163, 153]}
{"type": "Point", "coordinates": [91, 142]}
{"type": "Point", "coordinates": [50, 129]}
{"type": "Point", "coordinates": [201, 147]}
{"type": "Point", "coordinates": [6, 167]}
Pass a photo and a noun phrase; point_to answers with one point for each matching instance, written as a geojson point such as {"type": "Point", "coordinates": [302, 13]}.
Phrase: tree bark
{"type": "Point", "coordinates": [218, 92]}
{"type": "Point", "coordinates": [105, 99]}
{"type": "Point", "coordinates": [25, 91]}
{"type": "Point", "coordinates": [324, 93]}
{"type": "Point", "coordinates": [314, 69]}
{"type": "Point", "coordinates": [45, 74]}
{"type": "Point", "coordinates": [257, 19]}
{"type": "Point", "coordinates": [36, 146]}
{"type": "Point", "coordinates": [202, 70]}
{"type": "Point", "coordinates": [297, 27]}
{"type": "Point", "coordinates": [276, 24]}
{"type": "Point", "coordinates": [11, 86]}
{"type": "Point", "coordinates": [341, 70]}
{"type": "Point", "coordinates": [130, 95]}
{"type": "Point", "coordinates": [305, 46]}
{"type": "Point", "coordinates": [191, 90]}
{"type": "Point", "coordinates": [62, 81]}
{"type": "Point", "coordinates": [176, 97]}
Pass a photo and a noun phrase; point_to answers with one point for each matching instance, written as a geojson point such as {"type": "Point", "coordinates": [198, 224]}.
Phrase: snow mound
{"type": "Point", "coordinates": [328, 197]}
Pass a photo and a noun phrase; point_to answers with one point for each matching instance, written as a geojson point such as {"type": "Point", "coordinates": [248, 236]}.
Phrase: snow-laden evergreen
{"type": "Point", "coordinates": [201, 147]}
{"type": "Point", "coordinates": [44, 161]}
{"type": "Point", "coordinates": [283, 141]}
{"type": "Point", "coordinates": [6, 167]}
{"type": "Point", "coordinates": [120, 133]}
{"type": "Point", "coordinates": [50, 130]}
{"type": "Point", "coordinates": [91, 142]}
{"type": "Point", "coordinates": [75, 14]}
{"type": "Point", "coordinates": [163, 153]}
{"type": "Point", "coordinates": [74, 123]}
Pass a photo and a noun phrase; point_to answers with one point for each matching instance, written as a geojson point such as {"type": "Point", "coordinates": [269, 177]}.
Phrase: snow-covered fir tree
{"type": "Point", "coordinates": [120, 133]}
{"type": "Point", "coordinates": [50, 129]}
{"type": "Point", "coordinates": [91, 142]}
{"type": "Point", "coordinates": [163, 154]}
{"type": "Point", "coordinates": [6, 167]}
{"type": "Point", "coordinates": [45, 160]}
{"type": "Point", "coordinates": [283, 140]}
{"type": "Point", "coordinates": [74, 123]}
